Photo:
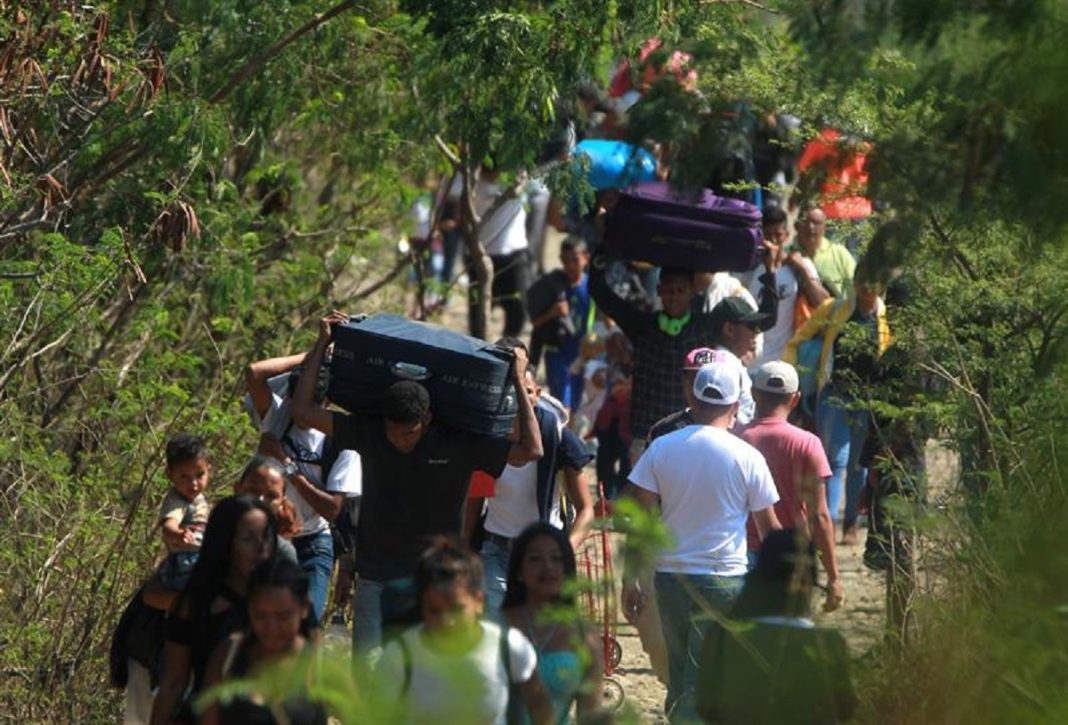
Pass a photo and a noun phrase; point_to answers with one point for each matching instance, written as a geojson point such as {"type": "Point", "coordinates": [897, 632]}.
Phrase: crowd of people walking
{"type": "Point", "coordinates": [730, 406]}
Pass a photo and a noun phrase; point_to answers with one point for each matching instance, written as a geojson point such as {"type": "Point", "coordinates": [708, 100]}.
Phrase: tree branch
{"type": "Point", "coordinates": [750, 3]}
{"type": "Point", "coordinates": [261, 59]}
{"type": "Point", "coordinates": [389, 277]}
{"type": "Point", "coordinates": [962, 262]}
{"type": "Point", "coordinates": [447, 152]}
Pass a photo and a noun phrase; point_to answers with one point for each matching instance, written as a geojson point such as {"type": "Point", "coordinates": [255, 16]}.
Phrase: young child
{"type": "Point", "coordinates": [184, 512]}
{"type": "Point", "coordinates": [592, 367]}
{"type": "Point", "coordinates": [456, 667]}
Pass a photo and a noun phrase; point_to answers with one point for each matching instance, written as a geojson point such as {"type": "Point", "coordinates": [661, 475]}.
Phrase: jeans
{"type": "Point", "coordinates": [453, 240]}
{"type": "Point", "coordinates": [495, 571]}
{"type": "Point", "coordinates": [382, 609]}
{"type": "Point", "coordinates": [683, 600]}
{"type": "Point", "coordinates": [315, 554]}
{"type": "Point", "coordinates": [176, 568]}
{"type": "Point", "coordinates": [842, 430]}
{"type": "Point", "coordinates": [367, 617]}
{"type": "Point", "coordinates": [563, 386]}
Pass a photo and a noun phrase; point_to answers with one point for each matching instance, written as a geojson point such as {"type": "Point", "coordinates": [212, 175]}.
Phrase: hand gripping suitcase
{"type": "Point", "coordinates": [695, 230]}
{"type": "Point", "coordinates": [469, 380]}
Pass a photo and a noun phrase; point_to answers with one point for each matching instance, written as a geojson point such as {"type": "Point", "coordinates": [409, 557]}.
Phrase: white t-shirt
{"type": "Point", "coordinates": [514, 505]}
{"type": "Point", "coordinates": [504, 231]}
{"type": "Point", "coordinates": [776, 338]}
{"type": "Point", "coordinates": [346, 475]}
{"type": "Point", "coordinates": [445, 688]}
{"type": "Point", "coordinates": [708, 481]}
{"type": "Point", "coordinates": [419, 217]}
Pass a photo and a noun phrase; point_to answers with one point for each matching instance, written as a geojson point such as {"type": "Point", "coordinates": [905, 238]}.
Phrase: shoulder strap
{"type": "Point", "coordinates": [287, 439]}
{"type": "Point", "coordinates": [231, 654]}
{"type": "Point", "coordinates": [506, 653]}
{"type": "Point", "coordinates": [329, 457]}
{"type": "Point", "coordinates": [546, 465]}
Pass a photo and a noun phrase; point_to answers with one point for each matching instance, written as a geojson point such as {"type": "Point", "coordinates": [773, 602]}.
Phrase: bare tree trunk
{"type": "Point", "coordinates": [480, 285]}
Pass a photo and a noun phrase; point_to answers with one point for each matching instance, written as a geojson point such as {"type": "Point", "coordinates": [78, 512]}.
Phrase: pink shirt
{"type": "Point", "coordinates": [791, 452]}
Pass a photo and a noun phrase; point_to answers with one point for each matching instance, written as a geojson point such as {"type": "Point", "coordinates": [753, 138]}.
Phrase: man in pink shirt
{"type": "Point", "coordinates": [798, 466]}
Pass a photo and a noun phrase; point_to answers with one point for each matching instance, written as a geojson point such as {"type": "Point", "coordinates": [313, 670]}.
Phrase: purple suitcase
{"type": "Point", "coordinates": [667, 227]}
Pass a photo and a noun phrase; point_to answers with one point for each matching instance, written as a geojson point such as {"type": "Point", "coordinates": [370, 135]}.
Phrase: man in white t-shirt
{"type": "Point", "coordinates": [795, 275]}
{"type": "Point", "coordinates": [706, 482]}
{"type": "Point", "coordinates": [503, 234]}
{"type": "Point", "coordinates": [305, 452]}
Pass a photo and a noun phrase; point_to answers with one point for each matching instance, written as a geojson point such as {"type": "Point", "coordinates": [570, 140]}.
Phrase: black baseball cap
{"type": "Point", "coordinates": [737, 310]}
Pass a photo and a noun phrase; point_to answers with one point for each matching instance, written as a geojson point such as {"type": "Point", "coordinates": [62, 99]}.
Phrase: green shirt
{"type": "Point", "coordinates": [835, 266]}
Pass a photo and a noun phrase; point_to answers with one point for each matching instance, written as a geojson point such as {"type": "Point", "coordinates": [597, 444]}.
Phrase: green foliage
{"type": "Point", "coordinates": [176, 201]}
{"type": "Point", "coordinates": [645, 535]}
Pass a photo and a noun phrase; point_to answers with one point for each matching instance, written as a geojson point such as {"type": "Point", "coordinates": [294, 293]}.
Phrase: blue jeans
{"type": "Point", "coordinates": [367, 617]}
{"type": "Point", "coordinates": [495, 576]}
{"type": "Point", "coordinates": [563, 386]}
{"type": "Point", "coordinates": [315, 554]}
{"type": "Point", "coordinates": [683, 600]}
{"type": "Point", "coordinates": [381, 609]}
{"type": "Point", "coordinates": [842, 430]}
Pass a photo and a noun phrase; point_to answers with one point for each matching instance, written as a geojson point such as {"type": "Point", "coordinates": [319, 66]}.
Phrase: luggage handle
{"type": "Point", "coordinates": [410, 371]}
{"type": "Point", "coordinates": [500, 351]}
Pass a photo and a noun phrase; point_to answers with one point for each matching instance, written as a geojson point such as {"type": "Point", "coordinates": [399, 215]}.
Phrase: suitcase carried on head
{"type": "Point", "coordinates": [695, 230]}
{"type": "Point", "coordinates": [469, 380]}
{"type": "Point", "coordinates": [615, 164]}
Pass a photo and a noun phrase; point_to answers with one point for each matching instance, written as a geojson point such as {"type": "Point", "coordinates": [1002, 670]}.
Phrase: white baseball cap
{"type": "Point", "coordinates": [776, 376]}
{"type": "Point", "coordinates": [718, 383]}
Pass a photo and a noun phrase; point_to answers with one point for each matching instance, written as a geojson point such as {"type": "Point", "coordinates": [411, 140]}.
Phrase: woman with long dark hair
{"type": "Point", "coordinates": [239, 535]}
{"type": "Point", "coordinates": [540, 572]}
{"type": "Point", "coordinates": [279, 632]}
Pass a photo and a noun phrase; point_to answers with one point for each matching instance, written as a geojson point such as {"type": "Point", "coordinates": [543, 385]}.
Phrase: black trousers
{"type": "Point", "coordinates": [511, 278]}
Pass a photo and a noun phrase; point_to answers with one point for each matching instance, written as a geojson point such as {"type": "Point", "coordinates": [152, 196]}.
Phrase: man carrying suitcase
{"type": "Point", "coordinates": [416, 473]}
{"type": "Point", "coordinates": [661, 341]}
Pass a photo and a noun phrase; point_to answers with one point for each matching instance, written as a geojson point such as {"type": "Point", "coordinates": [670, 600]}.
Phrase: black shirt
{"type": "Point", "coordinates": [408, 498]}
{"type": "Point", "coordinates": [669, 424]}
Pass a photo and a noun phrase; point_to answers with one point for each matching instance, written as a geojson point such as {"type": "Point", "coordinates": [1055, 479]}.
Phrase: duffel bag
{"type": "Point", "coordinates": [469, 380]}
{"type": "Point", "coordinates": [696, 230]}
{"type": "Point", "coordinates": [614, 164]}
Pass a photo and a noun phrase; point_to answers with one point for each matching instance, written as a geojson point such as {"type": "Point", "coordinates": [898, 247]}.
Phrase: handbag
{"type": "Point", "coordinates": [137, 636]}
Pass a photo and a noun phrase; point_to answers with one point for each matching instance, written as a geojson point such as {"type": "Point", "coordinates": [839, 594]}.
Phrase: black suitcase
{"type": "Point", "coordinates": [469, 380]}
{"type": "Point", "coordinates": [656, 223]}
